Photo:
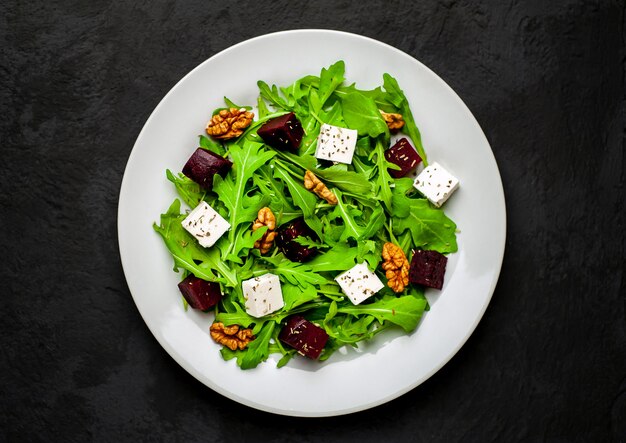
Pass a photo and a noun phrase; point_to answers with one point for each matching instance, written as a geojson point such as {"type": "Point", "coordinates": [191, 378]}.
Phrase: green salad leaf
{"type": "Point", "coordinates": [430, 228]}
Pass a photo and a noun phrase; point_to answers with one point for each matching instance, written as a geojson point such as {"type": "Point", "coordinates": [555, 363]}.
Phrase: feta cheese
{"type": "Point", "coordinates": [205, 224]}
{"type": "Point", "coordinates": [436, 184]}
{"type": "Point", "coordinates": [336, 144]}
{"type": "Point", "coordinates": [263, 295]}
{"type": "Point", "coordinates": [359, 283]}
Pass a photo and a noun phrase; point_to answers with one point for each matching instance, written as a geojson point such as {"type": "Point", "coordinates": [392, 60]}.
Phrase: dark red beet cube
{"type": "Point", "coordinates": [203, 165]}
{"type": "Point", "coordinates": [282, 133]}
{"type": "Point", "coordinates": [403, 155]}
{"type": "Point", "coordinates": [294, 251]}
{"type": "Point", "coordinates": [302, 335]}
{"type": "Point", "coordinates": [200, 294]}
{"type": "Point", "coordinates": [427, 268]}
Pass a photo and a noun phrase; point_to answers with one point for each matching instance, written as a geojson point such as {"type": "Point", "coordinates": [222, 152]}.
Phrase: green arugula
{"type": "Point", "coordinates": [189, 190]}
{"type": "Point", "coordinates": [430, 228]}
{"type": "Point", "coordinates": [360, 113]}
{"type": "Point", "coordinates": [405, 311]}
{"type": "Point", "coordinates": [397, 97]}
{"type": "Point", "coordinates": [355, 226]}
{"type": "Point", "coordinates": [299, 274]}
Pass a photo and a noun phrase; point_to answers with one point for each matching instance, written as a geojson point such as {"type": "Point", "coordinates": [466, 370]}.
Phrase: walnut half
{"type": "Point", "coordinates": [315, 185]}
{"type": "Point", "coordinates": [396, 267]}
{"type": "Point", "coordinates": [229, 123]}
{"type": "Point", "coordinates": [265, 217]}
{"type": "Point", "coordinates": [394, 121]}
{"type": "Point", "coordinates": [233, 337]}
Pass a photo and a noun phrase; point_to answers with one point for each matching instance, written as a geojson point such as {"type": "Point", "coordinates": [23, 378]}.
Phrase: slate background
{"type": "Point", "coordinates": [544, 79]}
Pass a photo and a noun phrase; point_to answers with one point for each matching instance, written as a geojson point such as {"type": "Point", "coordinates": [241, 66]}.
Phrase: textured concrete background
{"type": "Point", "coordinates": [544, 79]}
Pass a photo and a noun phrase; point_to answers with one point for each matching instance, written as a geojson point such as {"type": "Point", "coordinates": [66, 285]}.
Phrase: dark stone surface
{"type": "Point", "coordinates": [544, 79]}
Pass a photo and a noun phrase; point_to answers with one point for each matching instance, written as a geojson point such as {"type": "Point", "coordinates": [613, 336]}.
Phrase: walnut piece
{"type": "Point", "coordinates": [229, 123]}
{"type": "Point", "coordinates": [265, 217]}
{"type": "Point", "coordinates": [394, 121]}
{"type": "Point", "coordinates": [233, 337]}
{"type": "Point", "coordinates": [314, 184]}
{"type": "Point", "coordinates": [396, 267]}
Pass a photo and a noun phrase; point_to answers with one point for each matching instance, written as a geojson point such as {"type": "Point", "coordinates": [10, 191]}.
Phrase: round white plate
{"type": "Point", "coordinates": [353, 380]}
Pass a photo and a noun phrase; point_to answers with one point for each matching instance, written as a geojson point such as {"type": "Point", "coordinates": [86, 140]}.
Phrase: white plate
{"type": "Point", "coordinates": [393, 364]}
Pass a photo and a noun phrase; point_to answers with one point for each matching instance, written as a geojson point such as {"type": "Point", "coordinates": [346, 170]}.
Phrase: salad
{"type": "Point", "coordinates": [307, 230]}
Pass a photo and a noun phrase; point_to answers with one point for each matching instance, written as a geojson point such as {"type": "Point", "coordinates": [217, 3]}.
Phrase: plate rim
{"type": "Point", "coordinates": [245, 401]}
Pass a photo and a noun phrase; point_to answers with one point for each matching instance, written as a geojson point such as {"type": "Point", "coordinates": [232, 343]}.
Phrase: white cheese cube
{"type": "Point", "coordinates": [336, 144]}
{"type": "Point", "coordinates": [436, 184]}
{"type": "Point", "coordinates": [359, 283]}
{"type": "Point", "coordinates": [263, 295]}
{"type": "Point", "coordinates": [205, 224]}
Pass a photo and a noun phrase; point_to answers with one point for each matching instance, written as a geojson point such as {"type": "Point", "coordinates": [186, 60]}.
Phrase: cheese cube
{"type": "Point", "coordinates": [436, 184]}
{"type": "Point", "coordinates": [336, 144]}
{"type": "Point", "coordinates": [359, 283]}
{"type": "Point", "coordinates": [205, 224]}
{"type": "Point", "coordinates": [263, 295]}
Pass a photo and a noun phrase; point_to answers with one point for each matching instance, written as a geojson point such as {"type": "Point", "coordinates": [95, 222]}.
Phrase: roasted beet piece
{"type": "Point", "coordinates": [283, 133]}
{"type": "Point", "coordinates": [293, 250]}
{"type": "Point", "coordinates": [203, 165]}
{"type": "Point", "coordinates": [200, 294]}
{"type": "Point", "coordinates": [427, 268]}
{"type": "Point", "coordinates": [307, 338]}
{"type": "Point", "coordinates": [403, 155]}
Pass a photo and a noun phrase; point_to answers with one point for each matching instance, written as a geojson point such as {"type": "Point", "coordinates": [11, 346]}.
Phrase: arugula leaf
{"type": "Point", "coordinates": [397, 97]}
{"type": "Point", "coordinates": [330, 79]}
{"type": "Point", "coordinates": [430, 228]}
{"type": "Point", "coordinates": [280, 205]}
{"type": "Point", "coordinates": [272, 95]}
{"type": "Point", "coordinates": [230, 104]}
{"type": "Point", "coordinates": [333, 116]}
{"type": "Point", "coordinates": [295, 273]}
{"type": "Point", "coordinates": [294, 295]}
{"type": "Point", "coordinates": [349, 181]}
{"type": "Point", "coordinates": [352, 228]}
{"type": "Point", "coordinates": [231, 190]}
{"type": "Point", "coordinates": [306, 241]}
{"type": "Point", "coordinates": [405, 311]}
{"type": "Point", "coordinates": [360, 113]}
{"type": "Point", "coordinates": [244, 241]}
{"type": "Point", "coordinates": [262, 107]}
{"type": "Point", "coordinates": [351, 330]}
{"type": "Point", "coordinates": [299, 89]}
{"type": "Point", "coordinates": [210, 145]}
{"type": "Point", "coordinates": [189, 190]}
{"type": "Point", "coordinates": [370, 251]}
{"type": "Point", "coordinates": [379, 97]}
{"type": "Point", "coordinates": [257, 350]}
{"type": "Point", "coordinates": [383, 179]}
{"type": "Point", "coordinates": [340, 257]}
{"type": "Point", "coordinates": [238, 317]}
{"type": "Point", "coordinates": [400, 202]}
{"type": "Point", "coordinates": [302, 198]}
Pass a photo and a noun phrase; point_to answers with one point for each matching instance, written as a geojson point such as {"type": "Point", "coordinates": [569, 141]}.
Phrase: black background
{"type": "Point", "coordinates": [545, 79]}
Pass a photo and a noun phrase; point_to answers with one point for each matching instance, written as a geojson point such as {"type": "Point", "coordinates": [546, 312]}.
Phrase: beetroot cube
{"type": "Point", "coordinates": [307, 338]}
{"type": "Point", "coordinates": [203, 165]}
{"type": "Point", "coordinates": [284, 132]}
{"type": "Point", "coordinates": [403, 155]}
{"type": "Point", "coordinates": [200, 294]}
{"type": "Point", "coordinates": [294, 251]}
{"type": "Point", "coordinates": [427, 268]}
